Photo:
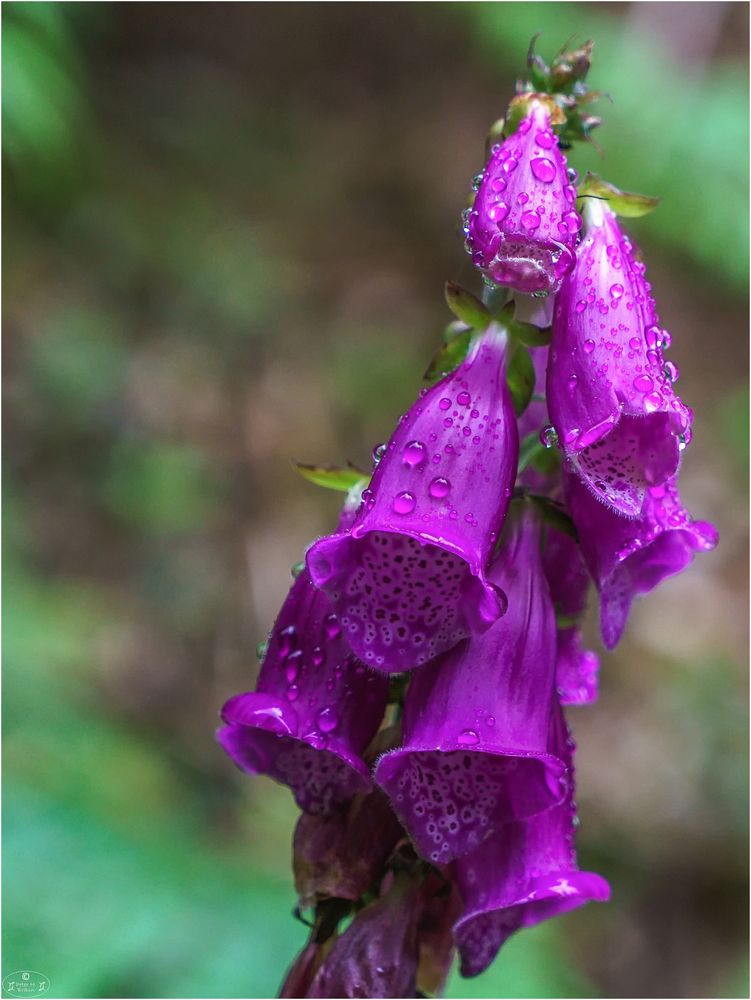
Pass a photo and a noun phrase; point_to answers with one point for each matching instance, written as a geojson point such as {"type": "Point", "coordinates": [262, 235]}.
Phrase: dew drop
{"type": "Point", "coordinates": [543, 169]}
{"type": "Point", "coordinates": [671, 371]}
{"type": "Point", "coordinates": [332, 626]}
{"type": "Point", "coordinates": [573, 221]}
{"type": "Point", "coordinates": [467, 738]}
{"type": "Point", "coordinates": [368, 498]}
{"type": "Point", "coordinates": [414, 454]}
{"type": "Point", "coordinates": [463, 399]}
{"type": "Point", "coordinates": [652, 336]}
{"type": "Point", "coordinates": [287, 640]}
{"type": "Point", "coordinates": [327, 720]}
{"type": "Point", "coordinates": [548, 436]}
{"type": "Point", "coordinates": [643, 383]}
{"type": "Point", "coordinates": [318, 656]}
{"type": "Point", "coordinates": [635, 344]}
{"type": "Point", "coordinates": [498, 212]}
{"type": "Point", "coordinates": [293, 692]}
{"type": "Point", "coordinates": [404, 503]}
{"type": "Point", "coordinates": [545, 139]}
{"type": "Point", "coordinates": [439, 488]}
{"type": "Point", "coordinates": [261, 649]}
{"type": "Point", "coordinates": [498, 184]}
{"type": "Point", "coordinates": [530, 220]}
{"type": "Point", "coordinates": [297, 569]}
{"type": "Point", "coordinates": [616, 290]}
{"type": "Point", "coordinates": [572, 382]}
{"type": "Point", "coordinates": [444, 404]}
{"type": "Point", "coordinates": [588, 346]}
{"type": "Point", "coordinates": [581, 305]}
{"type": "Point", "coordinates": [490, 721]}
{"type": "Point", "coordinates": [378, 452]}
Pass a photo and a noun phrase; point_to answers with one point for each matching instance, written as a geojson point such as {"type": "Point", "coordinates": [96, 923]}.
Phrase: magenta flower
{"type": "Point", "coordinates": [609, 390]}
{"type": "Point", "coordinates": [525, 873]}
{"type": "Point", "coordinates": [523, 226]}
{"type": "Point", "coordinates": [576, 668]}
{"type": "Point", "coordinates": [314, 710]}
{"type": "Point", "coordinates": [476, 721]}
{"type": "Point", "coordinates": [630, 557]}
{"type": "Point", "coordinates": [408, 582]}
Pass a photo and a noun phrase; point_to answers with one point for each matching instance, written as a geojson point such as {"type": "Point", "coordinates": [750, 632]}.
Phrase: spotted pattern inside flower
{"type": "Point", "coordinates": [479, 938]}
{"type": "Point", "coordinates": [318, 778]}
{"type": "Point", "coordinates": [402, 600]}
{"type": "Point", "coordinates": [451, 801]}
{"type": "Point", "coordinates": [636, 453]}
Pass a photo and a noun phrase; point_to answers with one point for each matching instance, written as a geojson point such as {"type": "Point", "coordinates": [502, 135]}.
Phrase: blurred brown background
{"type": "Point", "coordinates": [227, 228]}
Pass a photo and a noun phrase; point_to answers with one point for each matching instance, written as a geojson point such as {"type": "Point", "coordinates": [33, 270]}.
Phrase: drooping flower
{"type": "Point", "coordinates": [630, 557]}
{"type": "Point", "coordinates": [525, 873]}
{"type": "Point", "coordinates": [408, 581]}
{"type": "Point", "coordinates": [609, 391]}
{"type": "Point", "coordinates": [576, 668]}
{"type": "Point", "coordinates": [477, 720]}
{"type": "Point", "coordinates": [315, 707]}
{"type": "Point", "coordinates": [342, 854]}
{"type": "Point", "coordinates": [377, 955]}
{"type": "Point", "coordinates": [523, 225]}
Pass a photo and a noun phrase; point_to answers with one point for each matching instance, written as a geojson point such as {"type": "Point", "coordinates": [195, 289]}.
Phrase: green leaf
{"type": "Point", "coordinates": [554, 515]}
{"type": "Point", "coordinates": [449, 356]}
{"type": "Point", "coordinates": [466, 307]}
{"type": "Point", "coordinates": [332, 477]}
{"type": "Point", "coordinates": [528, 448]}
{"type": "Point", "coordinates": [623, 203]}
{"type": "Point", "coordinates": [526, 333]}
{"type": "Point", "coordinates": [520, 376]}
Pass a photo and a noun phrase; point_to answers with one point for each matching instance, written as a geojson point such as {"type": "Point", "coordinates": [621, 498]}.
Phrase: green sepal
{"type": "Point", "coordinates": [520, 376]}
{"type": "Point", "coordinates": [528, 449]}
{"type": "Point", "coordinates": [554, 515]}
{"type": "Point", "coordinates": [526, 333]}
{"type": "Point", "coordinates": [623, 203]}
{"type": "Point", "coordinates": [450, 355]}
{"type": "Point", "coordinates": [333, 477]}
{"type": "Point", "coordinates": [521, 105]}
{"type": "Point", "coordinates": [467, 307]}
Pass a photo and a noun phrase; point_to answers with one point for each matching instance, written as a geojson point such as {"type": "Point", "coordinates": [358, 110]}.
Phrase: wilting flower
{"type": "Point", "coordinates": [525, 873]}
{"type": "Point", "coordinates": [609, 390]}
{"type": "Point", "coordinates": [523, 226]}
{"type": "Point", "coordinates": [315, 707]}
{"type": "Point", "coordinates": [377, 955]}
{"type": "Point", "coordinates": [576, 668]}
{"type": "Point", "coordinates": [630, 557]}
{"type": "Point", "coordinates": [477, 721]}
{"type": "Point", "coordinates": [342, 854]}
{"type": "Point", "coordinates": [408, 581]}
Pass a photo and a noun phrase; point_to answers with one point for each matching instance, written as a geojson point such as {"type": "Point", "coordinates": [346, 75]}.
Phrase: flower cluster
{"type": "Point", "coordinates": [412, 691]}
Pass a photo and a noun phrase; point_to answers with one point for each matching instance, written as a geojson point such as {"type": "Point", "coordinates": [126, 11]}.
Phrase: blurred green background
{"type": "Point", "coordinates": [227, 228]}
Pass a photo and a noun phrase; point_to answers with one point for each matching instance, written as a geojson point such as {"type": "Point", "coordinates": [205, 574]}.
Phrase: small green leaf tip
{"type": "Point", "coordinates": [520, 376]}
{"type": "Point", "coordinates": [467, 307]}
{"type": "Point", "coordinates": [623, 203]}
{"type": "Point", "coordinates": [332, 477]}
{"type": "Point", "coordinates": [526, 333]}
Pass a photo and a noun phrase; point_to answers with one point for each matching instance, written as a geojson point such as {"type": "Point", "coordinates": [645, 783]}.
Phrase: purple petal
{"type": "Point", "coordinates": [525, 873]}
{"type": "Point", "coordinates": [476, 721]}
{"type": "Point", "coordinates": [315, 708]}
{"type": "Point", "coordinates": [630, 557]}
{"type": "Point", "coordinates": [523, 225]}
{"type": "Point", "coordinates": [408, 582]}
{"type": "Point", "coordinates": [613, 406]}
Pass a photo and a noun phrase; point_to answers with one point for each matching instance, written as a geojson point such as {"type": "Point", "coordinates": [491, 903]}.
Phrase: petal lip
{"type": "Point", "coordinates": [538, 783]}
{"type": "Point", "coordinates": [548, 896]}
{"type": "Point", "coordinates": [320, 775]}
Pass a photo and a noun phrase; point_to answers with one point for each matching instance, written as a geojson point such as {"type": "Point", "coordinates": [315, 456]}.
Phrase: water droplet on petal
{"type": "Point", "coordinates": [287, 640]}
{"type": "Point", "coordinates": [378, 452]}
{"type": "Point", "coordinates": [445, 403]}
{"type": "Point", "coordinates": [616, 290]}
{"type": "Point", "coordinates": [327, 720]}
{"type": "Point", "coordinates": [572, 382]}
{"type": "Point", "coordinates": [545, 139]}
{"type": "Point", "coordinates": [463, 399]}
{"type": "Point", "coordinates": [530, 220]}
{"type": "Point", "coordinates": [498, 212]}
{"type": "Point", "coordinates": [643, 383]}
{"type": "Point", "coordinates": [467, 738]}
{"type": "Point", "coordinates": [588, 346]}
{"type": "Point", "coordinates": [439, 488]}
{"type": "Point", "coordinates": [414, 454]}
{"type": "Point", "coordinates": [404, 503]}
{"type": "Point", "coordinates": [293, 692]}
{"type": "Point", "coordinates": [543, 169]}
{"type": "Point", "coordinates": [261, 649]}
{"type": "Point", "coordinates": [332, 626]}
{"type": "Point", "coordinates": [318, 656]}
{"type": "Point", "coordinates": [671, 371]}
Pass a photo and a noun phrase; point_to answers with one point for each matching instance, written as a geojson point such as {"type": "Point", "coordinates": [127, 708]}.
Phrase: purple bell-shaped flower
{"type": "Point", "coordinates": [630, 557]}
{"type": "Point", "coordinates": [525, 873]}
{"type": "Point", "coordinates": [408, 581]}
{"type": "Point", "coordinates": [609, 390]}
{"type": "Point", "coordinates": [576, 668]}
{"type": "Point", "coordinates": [314, 710]}
{"type": "Point", "coordinates": [523, 225]}
{"type": "Point", "coordinates": [477, 721]}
